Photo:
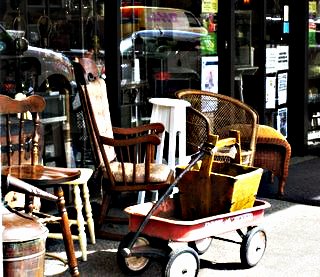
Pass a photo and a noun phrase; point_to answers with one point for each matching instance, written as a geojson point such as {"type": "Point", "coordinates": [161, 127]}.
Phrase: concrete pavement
{"type": "Point", "coordinates": [293, 240]}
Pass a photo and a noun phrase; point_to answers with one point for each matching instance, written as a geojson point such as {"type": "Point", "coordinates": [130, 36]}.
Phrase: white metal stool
{"type": "Point", "coordinates": [86, 173]}
{"type": "Point", "coordinates": [172, 114]}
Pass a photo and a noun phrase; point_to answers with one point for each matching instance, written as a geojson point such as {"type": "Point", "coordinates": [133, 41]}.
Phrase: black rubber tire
{"type": "Point", "coordinates": [183, 261]}
{"type": "Point", "coordinates": [132, 265]}
{"type": "Point", "coordinates": [253, 247]}
{"type": "Point", "coordinates": [201, 246]}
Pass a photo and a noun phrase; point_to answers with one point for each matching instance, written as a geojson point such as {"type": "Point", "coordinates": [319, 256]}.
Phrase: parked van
{"type": "Point", "coordinates": [137, 18]}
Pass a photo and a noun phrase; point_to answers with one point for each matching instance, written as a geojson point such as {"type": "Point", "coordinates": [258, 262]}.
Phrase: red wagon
{"type": "Point", "coordinates": [153, 226]}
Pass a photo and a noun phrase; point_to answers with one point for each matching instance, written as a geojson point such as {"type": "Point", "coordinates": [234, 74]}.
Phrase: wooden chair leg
{"type": "Point", "coordinates": [282, 183]}
{"type": "Point", "coordinates": [104, 209]}
{"type": "Point", "coordinates": [66, 233]}
{"type": "Point", "coordinates": [88, 209]}
{"type": "Point", "coordinates": [80, 222]}
{"type": "Point", "coordinates": [105, 206]}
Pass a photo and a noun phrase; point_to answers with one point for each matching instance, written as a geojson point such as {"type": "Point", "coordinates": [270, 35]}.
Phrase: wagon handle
{"type": "Point", "coordinates": [206, 148]}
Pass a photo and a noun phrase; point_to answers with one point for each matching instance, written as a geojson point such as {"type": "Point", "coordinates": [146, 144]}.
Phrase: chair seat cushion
{"type": "Point", "coordinates": [158, 172]}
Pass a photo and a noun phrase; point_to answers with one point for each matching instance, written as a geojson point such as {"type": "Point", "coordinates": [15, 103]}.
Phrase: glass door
{"type": "Point", "coordinates": [313, 135]}
{"type": "Point", "coordinates": [161, 49]}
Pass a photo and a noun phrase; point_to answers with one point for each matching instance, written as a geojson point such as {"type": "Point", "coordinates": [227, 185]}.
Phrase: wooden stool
{"type": "Point", "coordinates": [82, 180]}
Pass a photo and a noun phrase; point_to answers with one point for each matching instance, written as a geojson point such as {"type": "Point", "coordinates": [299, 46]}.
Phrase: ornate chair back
{"type": "Point", "coordinates": [21, 138]}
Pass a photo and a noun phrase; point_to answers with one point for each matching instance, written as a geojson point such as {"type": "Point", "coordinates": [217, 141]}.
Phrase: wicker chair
{"type": "Point", "coordinates": [268, 148]}
{"type": "Point", "coordinates": [273, 152]}
{"type": "Point", "coordinates": [217, 114]}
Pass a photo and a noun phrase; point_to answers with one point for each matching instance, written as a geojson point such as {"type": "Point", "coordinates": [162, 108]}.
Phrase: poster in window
{"type": "Point", "coordinates": [282, 121]}
{"type": "Point", "coordinates": [282, 88]}
{"type": "Point", "coordinates": [209, 6]}
{"type": "Point", "coordinates": [208, 44]}
{"type": "Point", "coordinates": [283, 57]}
{"type": "Point", "coordinates": [209, 74]}
{"type": "Point", "coordinates": [271, 92]}
{"type": "Point", "coordinates": [271, 60]}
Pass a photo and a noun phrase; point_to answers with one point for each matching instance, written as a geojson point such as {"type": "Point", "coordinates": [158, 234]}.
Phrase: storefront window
{"type": "Point", "coordinates": [162, 46]}
{"type": "Point", "coordinates": [75, 27]}
{"type": "Point", "coordinates": [161, 43]}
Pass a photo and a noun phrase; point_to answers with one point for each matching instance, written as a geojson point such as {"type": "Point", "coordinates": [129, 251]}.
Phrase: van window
{"type": "Point", "coordinates": [6, 43]}
{"type": "Point", "coordinates": [193, 21]}
{"type": "Point", "coordinates": [138, 18]}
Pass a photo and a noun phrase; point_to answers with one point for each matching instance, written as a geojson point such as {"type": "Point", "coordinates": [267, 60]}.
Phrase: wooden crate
{"type": "Point", "coordinates": [212, 188]}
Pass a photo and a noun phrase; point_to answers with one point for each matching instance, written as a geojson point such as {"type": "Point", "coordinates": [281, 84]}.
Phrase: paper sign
{"type": "Point", "coordinates": [209, 73]}
{"type": "Point", "coordinates": [282, 121]}
{"type": "Point", "coordinates": [271, 92]}
{"type": "Point", "coordinates": [283, 57]}
{"type": "Point", "coordinates": [282, 88]}
{"type": "Point", "coordinates": [209, 6]}
{"type": "Point", "coordinates": [271, 60]}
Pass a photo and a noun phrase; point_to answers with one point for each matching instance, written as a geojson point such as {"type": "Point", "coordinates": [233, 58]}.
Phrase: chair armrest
{"type": "Point", "coordinates": [155, 127]}
{"type": "Point", "coordinates": [269, 135]}
{"type": "Point", "coordinates": [15, 184]}
{"type": "Point", "coordinates": [151, 139]}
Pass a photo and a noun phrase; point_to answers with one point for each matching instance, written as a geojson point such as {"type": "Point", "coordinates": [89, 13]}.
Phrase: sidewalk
{"type": "Point", "coordinates": [292, 230]}
{"type": "Point", "coordinates": [292, 249]}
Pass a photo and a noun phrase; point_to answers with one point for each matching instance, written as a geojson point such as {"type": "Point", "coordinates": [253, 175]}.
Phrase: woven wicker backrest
{"type": "Point", "coordinates": [217, 114]}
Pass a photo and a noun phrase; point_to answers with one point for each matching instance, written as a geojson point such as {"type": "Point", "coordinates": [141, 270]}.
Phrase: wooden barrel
{"type": "Point", "coordinates": [23, 244]}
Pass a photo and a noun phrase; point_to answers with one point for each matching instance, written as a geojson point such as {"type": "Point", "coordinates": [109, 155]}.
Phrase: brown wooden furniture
{"type": "Point", "coordinates": [20, 155]}
{"type": "Point", "coordinates": [124, 156]}
{"type": "Point", "coordinates": [81, 201]}
{"type": "Point", "coordinates": [273, 152]}
{"type": "Point", "coordinates": [213, 113]}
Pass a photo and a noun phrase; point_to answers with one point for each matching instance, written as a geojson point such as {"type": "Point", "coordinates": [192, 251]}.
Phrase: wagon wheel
{"type": "Point", "coordinates": [253, 247]}
{"type": "Point", "coordinates": [183, 261]}
{"type": "Point", "coordinates": [134, 265]}
{"type": "Point", "coordinates": [201, 245]}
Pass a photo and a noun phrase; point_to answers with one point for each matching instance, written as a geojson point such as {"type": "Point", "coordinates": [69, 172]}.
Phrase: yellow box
{"type": "Point", "coordinates": [228, 187]}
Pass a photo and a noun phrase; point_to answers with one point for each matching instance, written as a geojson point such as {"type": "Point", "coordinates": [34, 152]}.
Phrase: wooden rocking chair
{"type": "Point", "coordinates": [124, 156]}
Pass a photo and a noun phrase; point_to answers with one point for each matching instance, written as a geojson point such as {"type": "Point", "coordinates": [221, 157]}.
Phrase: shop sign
{"type": "Point", "coordinates": [209, 6]}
